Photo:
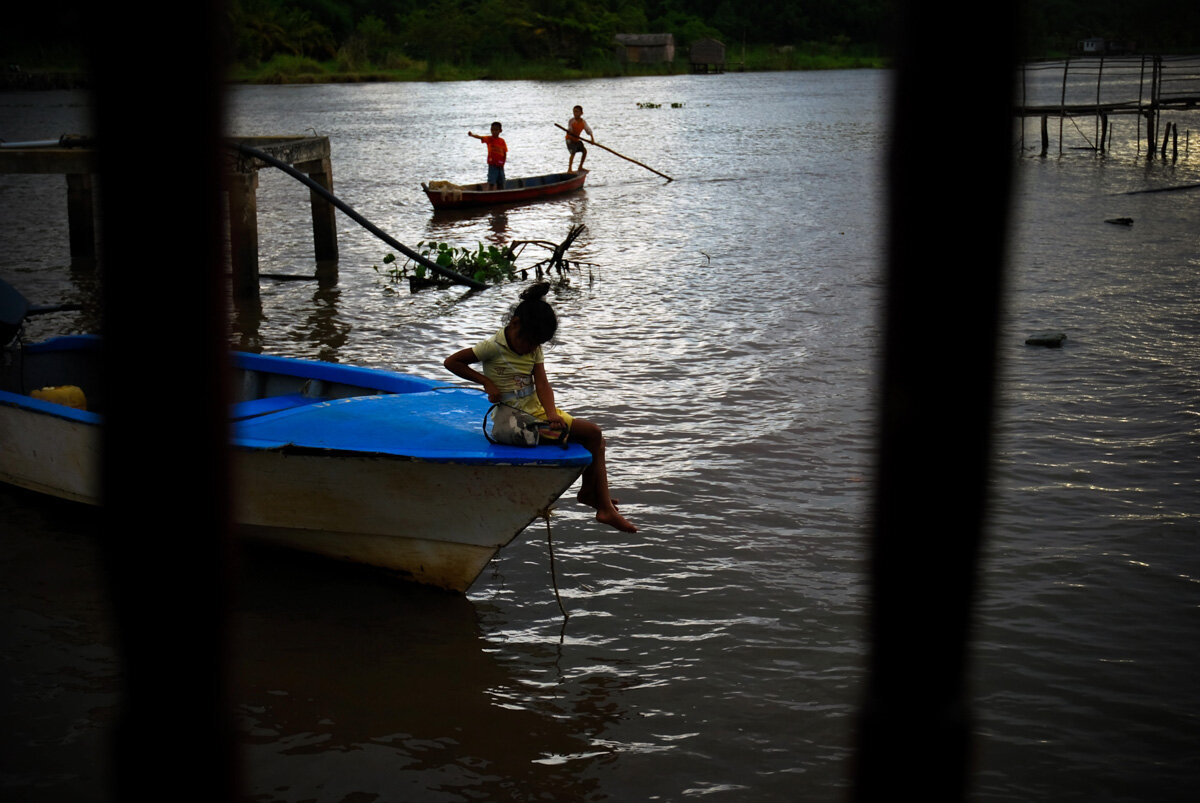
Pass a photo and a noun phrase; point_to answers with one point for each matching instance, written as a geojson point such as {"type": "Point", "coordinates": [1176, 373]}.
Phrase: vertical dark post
{"type": "Point", "coordinates": [925, 536]}
{"type": "Point", "coordinates": [1152, 109]}
{"type": "Point", "coordinates": [324, 218]}
{"type": "Point", "coordinates": [1141, 95]}
{"type": "Point", "coordinates": [165, 477]}
{"type": "Point", "coordinates": [324, 214]}
{"type": "Point", "coordinates": [81, 220]}
{"type": "Point", "coordinates": [1062, 112]}
{"type": "Point", "coordinates": [1024, 102]}
{"type": "Point", "coordinates": [242, 188]}
{"type": "Point", "coordinates": [1045, 137]}
{"type": "Point", "coordinates": [1103, 132]}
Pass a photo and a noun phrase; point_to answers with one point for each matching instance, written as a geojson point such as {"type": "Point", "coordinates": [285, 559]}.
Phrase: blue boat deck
{"type": "Point", "coordinates": [444, 425]}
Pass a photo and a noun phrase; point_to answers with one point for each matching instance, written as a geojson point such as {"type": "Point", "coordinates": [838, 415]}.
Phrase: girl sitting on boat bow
{"type": "Point", "coordinates": [514, 372]}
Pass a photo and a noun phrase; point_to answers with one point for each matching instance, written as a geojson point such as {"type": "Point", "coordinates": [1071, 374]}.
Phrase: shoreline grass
{"type": "Point", "coordinates": [300, 70]}
{"type": "Point", "coordinates": [291, 69]}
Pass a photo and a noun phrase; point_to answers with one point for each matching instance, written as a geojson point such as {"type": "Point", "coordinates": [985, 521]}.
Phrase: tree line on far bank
{"type": "Point", "coordinates": [392, 34]}
{"type": "Point", "coordinates": [576, 32]}
{"type": "Point", "coordinates": [399, 36]}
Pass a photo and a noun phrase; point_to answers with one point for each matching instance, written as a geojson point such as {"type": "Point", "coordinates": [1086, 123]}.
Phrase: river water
{"type": "Point", "coordinates": [725, 333]}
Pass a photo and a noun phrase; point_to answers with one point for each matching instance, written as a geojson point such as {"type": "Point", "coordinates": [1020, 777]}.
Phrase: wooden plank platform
{"type": "Point", "coordinates": [1099, 87]}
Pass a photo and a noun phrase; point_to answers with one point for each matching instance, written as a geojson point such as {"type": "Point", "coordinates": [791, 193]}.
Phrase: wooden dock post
{"type": "Point", "coordinates": [324, 214]}
{"type": "Point", "coordinates": [242, 191]}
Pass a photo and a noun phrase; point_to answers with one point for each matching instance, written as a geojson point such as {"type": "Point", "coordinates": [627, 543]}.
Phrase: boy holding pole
{"type": "Point", "coordinates": [576, 126]}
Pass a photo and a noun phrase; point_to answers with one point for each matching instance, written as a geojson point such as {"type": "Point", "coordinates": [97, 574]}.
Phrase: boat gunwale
{"type": "Point", "coordinates": [23, 401]}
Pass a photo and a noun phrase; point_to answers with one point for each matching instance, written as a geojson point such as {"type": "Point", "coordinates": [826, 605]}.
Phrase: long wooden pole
{"type": "Point", "coordinates": [623, 156]}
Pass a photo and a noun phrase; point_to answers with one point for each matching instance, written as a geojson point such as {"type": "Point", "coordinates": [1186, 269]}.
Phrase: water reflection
{"type": "Point", "coordinates": [350, 683]}
{"type": "Point", "coordinates": [325, 325]}
{"type": "Point", "coordinates": [498, 223]}
{"type": "Point", "coordinates": [61, 672]}
{"type": "Point", "coordinates": [245, 324]}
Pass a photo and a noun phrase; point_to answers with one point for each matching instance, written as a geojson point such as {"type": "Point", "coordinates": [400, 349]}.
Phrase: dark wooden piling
{"type": "Point", "coordinates": [242, 192]}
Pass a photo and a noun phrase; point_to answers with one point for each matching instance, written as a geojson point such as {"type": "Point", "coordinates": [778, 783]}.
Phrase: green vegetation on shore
{"type": "Point", "coordinates": [289, 69]}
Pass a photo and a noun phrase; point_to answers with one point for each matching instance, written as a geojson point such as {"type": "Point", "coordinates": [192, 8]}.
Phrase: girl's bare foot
{"type": "Point", "coordinates": [614, 519]}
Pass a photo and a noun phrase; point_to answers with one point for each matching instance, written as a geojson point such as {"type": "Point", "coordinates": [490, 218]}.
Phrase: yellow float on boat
{"type": "Point", "coordinates": [69, 395]}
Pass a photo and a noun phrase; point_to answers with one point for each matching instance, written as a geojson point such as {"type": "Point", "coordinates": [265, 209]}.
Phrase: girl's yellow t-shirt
{"type": "Point", "coordinates": [513, 372]}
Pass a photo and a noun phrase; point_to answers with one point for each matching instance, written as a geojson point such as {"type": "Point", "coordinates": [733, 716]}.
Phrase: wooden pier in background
{"type": "Point", "coordinates": [71, 156]}
{"type": "Point", "coordinates": [76, 158]}
{"type": "Point", "coordinates": [1097, 88]}
{"type": "Point", "coordinates": [309, 155]}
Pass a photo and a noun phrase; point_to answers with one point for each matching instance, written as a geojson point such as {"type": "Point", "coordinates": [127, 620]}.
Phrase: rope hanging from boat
{"type": "Point", "coordinates": [356, 217]}
{"type": "Point", "coordinates": [545, 514]}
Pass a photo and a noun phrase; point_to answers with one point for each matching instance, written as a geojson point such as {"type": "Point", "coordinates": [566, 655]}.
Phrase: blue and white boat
{"type": "Point", "coordinates": [364, 465]}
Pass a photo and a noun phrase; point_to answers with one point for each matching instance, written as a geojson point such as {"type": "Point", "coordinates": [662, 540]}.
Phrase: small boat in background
{"type": "Point", "coordinates": [445, 195]}
{"type": "Point", "coordinates": [364, 465]}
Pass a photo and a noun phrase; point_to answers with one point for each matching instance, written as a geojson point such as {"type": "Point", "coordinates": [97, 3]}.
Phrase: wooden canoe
{"type": "Point", "coordinates": [444, 195]}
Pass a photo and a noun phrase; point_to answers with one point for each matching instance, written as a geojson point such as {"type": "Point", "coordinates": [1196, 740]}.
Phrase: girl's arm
{"type": "Point", "coordinates": [545, 393]}
{"type": "Point", "coordinates": [459, 364]}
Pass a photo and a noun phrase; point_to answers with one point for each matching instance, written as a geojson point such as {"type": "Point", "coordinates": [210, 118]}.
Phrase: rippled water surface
{"type": "Point", "coordinates": [724, 332]}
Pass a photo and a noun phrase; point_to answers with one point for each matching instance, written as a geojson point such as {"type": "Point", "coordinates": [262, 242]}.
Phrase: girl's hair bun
{"type": "Point", "coordinates": [538, 321]}
{"type": "Point", "coordinates": [535, 291]}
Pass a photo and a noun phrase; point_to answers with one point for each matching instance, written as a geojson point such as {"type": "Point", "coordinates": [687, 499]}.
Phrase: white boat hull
{"type": "Point", "coordinates": [434, 523]}
{"type": "Point", "coordinates": [50, 455]}
{"type": "Point", "coordinates": [389, 471]}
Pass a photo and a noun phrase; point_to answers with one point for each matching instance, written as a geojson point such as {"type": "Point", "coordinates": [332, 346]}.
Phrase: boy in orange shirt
{"type": "Point", "coordinates": [576, 126]}
{"type": "Point", "coordinates": [497, 154]}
